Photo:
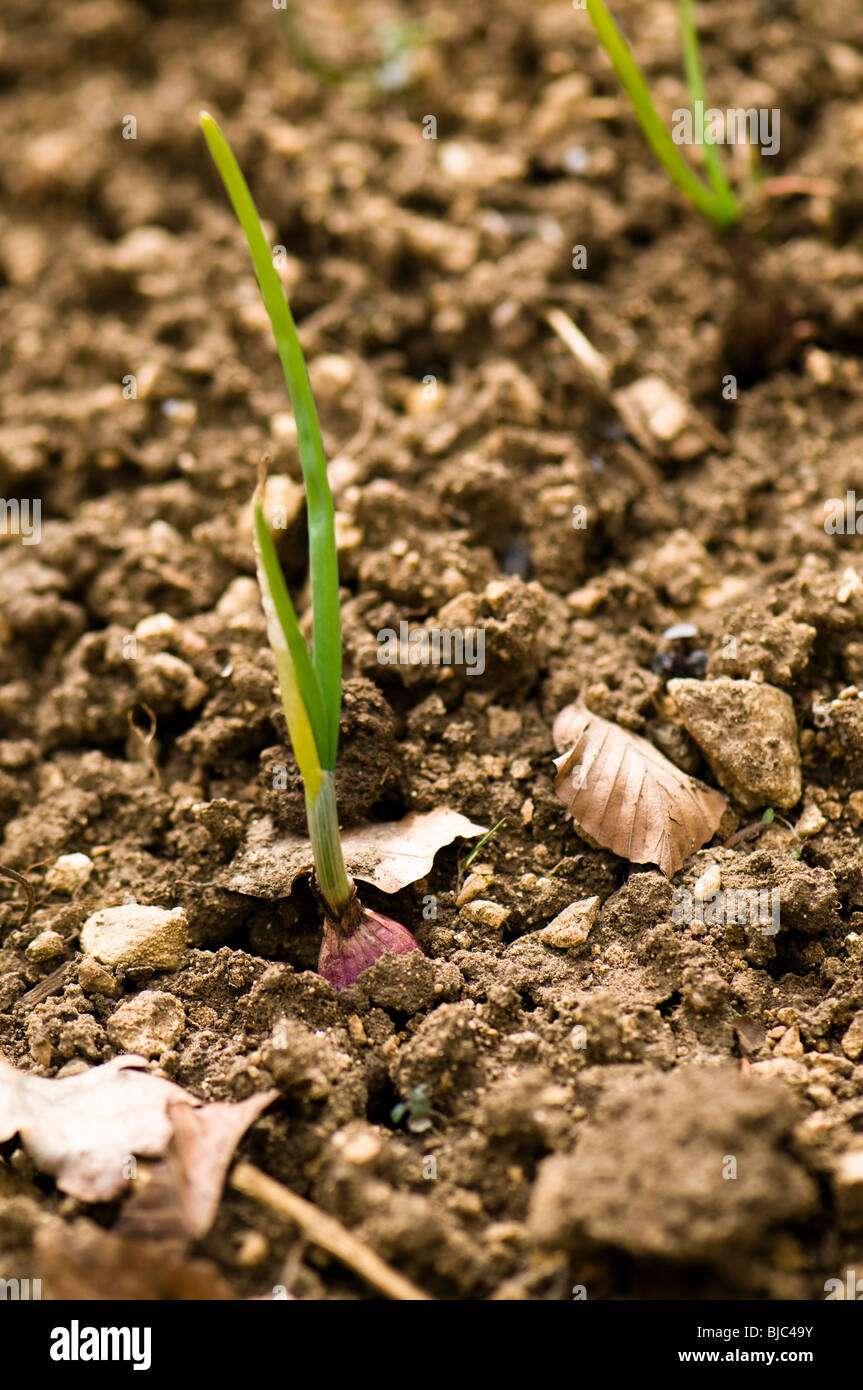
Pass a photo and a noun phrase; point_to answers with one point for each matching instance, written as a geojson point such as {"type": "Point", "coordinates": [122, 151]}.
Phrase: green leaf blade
{"type": "Point", "coordinates": [273, 584]}
{"type": "Point", "coordinates": [323, 558]}
{"type": "Point", "coordinates": [726, 203]}
{"type": "Point", "coordinates": [658, 138]}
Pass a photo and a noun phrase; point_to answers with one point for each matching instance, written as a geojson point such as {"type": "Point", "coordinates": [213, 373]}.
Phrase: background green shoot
{"type": "Point", "coordinates": [717, 202]}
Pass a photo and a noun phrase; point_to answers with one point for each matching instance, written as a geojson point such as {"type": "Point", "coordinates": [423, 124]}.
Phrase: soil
{"type": "Point", "coordinates": [588, 1104]}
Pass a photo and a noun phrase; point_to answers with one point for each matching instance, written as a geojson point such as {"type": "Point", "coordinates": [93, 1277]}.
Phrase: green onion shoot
{"type": "Point", "coordinates": [309, 682]}
{"type": "Point", "coordinates": [716, 201]}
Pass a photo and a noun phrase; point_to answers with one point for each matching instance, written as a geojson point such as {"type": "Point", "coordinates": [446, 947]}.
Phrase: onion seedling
{"type": "Point", "coordinates": [310, 682]}
{"type": "Point", "coordinates": [717, 202]}
{"type": "Point", "coordinates": [468, 860]}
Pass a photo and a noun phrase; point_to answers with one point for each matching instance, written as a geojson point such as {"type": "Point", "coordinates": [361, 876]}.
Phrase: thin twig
{"type": "Point", "coordinates": [325, 1231]}
{"type": "Point", "coordinates": [28, 889]}
{"type": "Point", "coordinates": [146, 740]}
{"type": "Point", "coordinates": [791, 185]}
{"type": "Point", "coordinates": [51, 984]}
{"type": "Point", "coordinates": [591, 360]}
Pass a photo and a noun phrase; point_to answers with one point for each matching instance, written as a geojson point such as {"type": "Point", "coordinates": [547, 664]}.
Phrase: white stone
{"type": "Point", "coordinates": [69, 873]}
{"type": "Point", "coordinates": [45, 946]}
{"type": "Point", "coordinates": [571, 927]}
{"type": "Point", "coordinates": [852, 1042]}
{"type": "Point", "coordinates": [812, 820]}
{"type": "Point", "coordinates": [848, 1188]}
{"type": "Point", "coordinates": [484, 913]}
{"type": "Point", "coordinates": [149, 1024]}
{"type": "Point", "coordinates": [708, 884]}
{"type": "Point", "coordinates": [136, 935]}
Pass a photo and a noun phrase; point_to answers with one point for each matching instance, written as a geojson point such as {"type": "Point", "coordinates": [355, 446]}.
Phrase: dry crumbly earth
{"type": "Point", "coordinates": [586, 1101]}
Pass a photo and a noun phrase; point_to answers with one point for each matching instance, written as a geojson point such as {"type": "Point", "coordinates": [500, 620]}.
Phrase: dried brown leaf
{"type": "Point", "coordinates": [81, 1261]}
{"type": "Point", "coordinates": [83, 1129]}
{"type": "Point", "coordinates": [626, 795]}
{"type": "Point", "coordinates": [180, 1197]}
{"type": "Point", "coordinates": [390, 855]}
{"type": "Point", "coordinates": [396, 853]}
{"type": "Point", "coordinates": [751, 1036]}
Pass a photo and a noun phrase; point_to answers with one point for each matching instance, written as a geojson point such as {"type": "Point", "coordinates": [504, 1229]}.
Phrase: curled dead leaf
{"type": "Point", "coordinates": [81, 1261]}
{"type": "Point", "coordinates": [390, 855]}
{"type": "Point", "coordinates": [627, 796]}
{"type": "Point", "coordinates": [180, 1196]}
{"type": "Point", "coordinates": [83, 1129]}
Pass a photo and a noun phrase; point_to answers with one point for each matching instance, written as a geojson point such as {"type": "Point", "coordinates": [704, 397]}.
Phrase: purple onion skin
{"type": "Point", "coordinates": [343, 958]}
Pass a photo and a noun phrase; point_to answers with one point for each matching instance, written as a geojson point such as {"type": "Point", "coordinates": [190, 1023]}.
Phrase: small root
{"type": "Point", "coordinates": [28, 889]}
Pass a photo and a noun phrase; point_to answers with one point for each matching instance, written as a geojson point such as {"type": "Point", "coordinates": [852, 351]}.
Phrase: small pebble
{"type": "Point", "coordinates": [93, 978]}
{"type": "Point", "coordinates": [254, 1249]}
{"type": "Point", "coordinates": [136, 935]}
{"type": "Point", "coordinates": [571, 927]}
{"type": "Point", "coordinates": [708, 884]}
{"type": "Point", "coordinates": [747, 730]}
{"type": "Point", "coordinates": [69, 873]}
{"type": "Point", "coordinates": [361, 1148]}
{"type": "Point", "coordinates": [852, 1042]}
{"type": "Point", "coordinates": [473, 885]}
{"type": "Point", "coordinates": [484, 913]}
{"type": "Point", "coordinates": [149, 1024]}
{"type": "Point", "coordinates": [848, 1188]}
{"type": "Point", "coordinates": [789, 1045]}
{"type": "Point", "coordinates": [812, 820]}
{"type": "Point", "coordinates": [356, 1031]}
{"type": "Point", "coordinates": [45, 946]}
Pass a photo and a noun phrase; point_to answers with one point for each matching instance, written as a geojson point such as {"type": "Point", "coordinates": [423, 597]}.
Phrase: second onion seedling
{"type": "Point", "coordinates": [310, 682]}
{"type": "Point", "coordinates": [717, 202]}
